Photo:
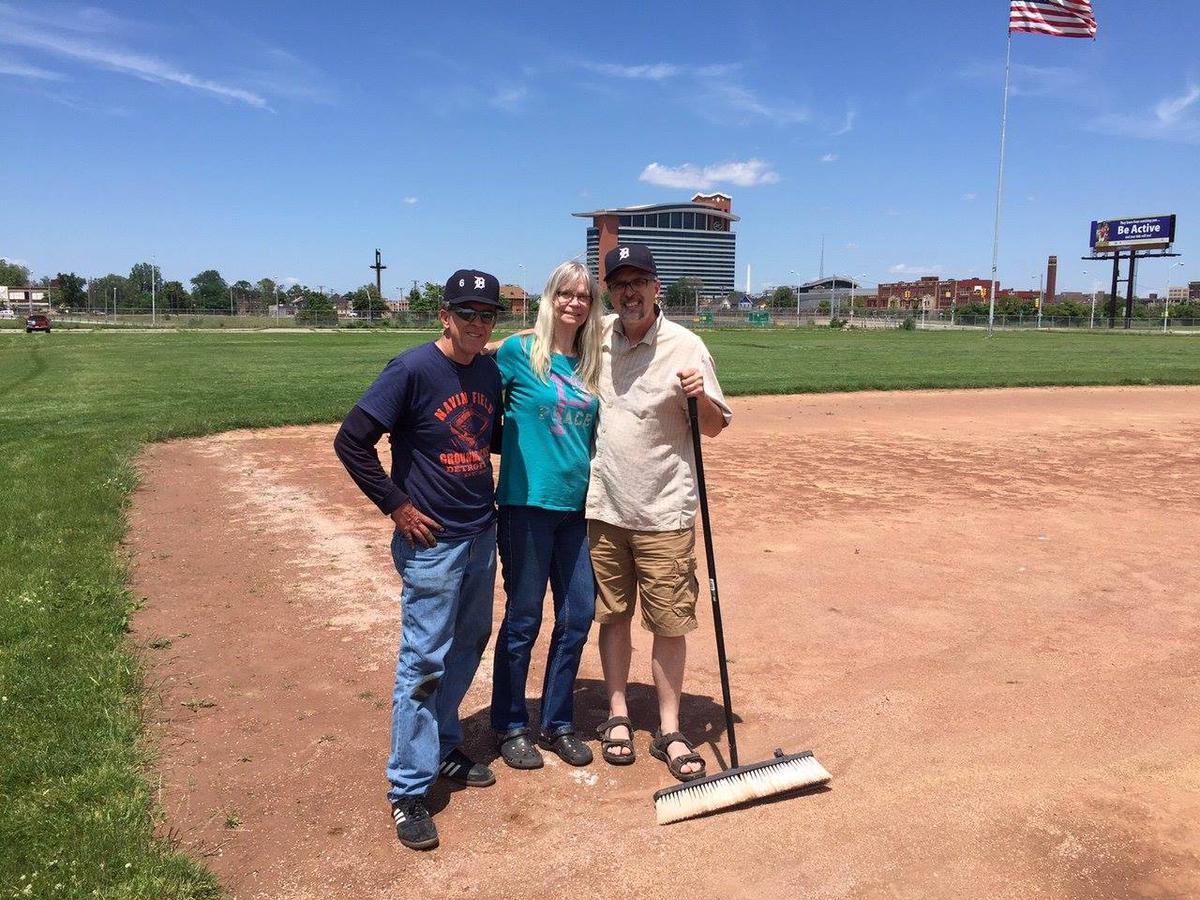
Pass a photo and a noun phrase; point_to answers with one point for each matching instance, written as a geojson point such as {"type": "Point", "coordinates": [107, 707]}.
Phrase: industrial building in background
{"type": "Point", "coordinates": [689, 240]}
{"type": "Point", "coordinates": [933, 293]}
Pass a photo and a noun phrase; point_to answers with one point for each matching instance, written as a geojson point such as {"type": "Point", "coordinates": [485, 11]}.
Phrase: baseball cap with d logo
{"type": "Point", "coordinates": [472, 286]}
{"type": "Point", "coordinates": [636, 256]}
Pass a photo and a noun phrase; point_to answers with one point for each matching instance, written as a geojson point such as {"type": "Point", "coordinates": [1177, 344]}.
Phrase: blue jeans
{"type": "Point", "coordinates": [537, 545]}
{"type": "Point", "coordinates": [446, 622]}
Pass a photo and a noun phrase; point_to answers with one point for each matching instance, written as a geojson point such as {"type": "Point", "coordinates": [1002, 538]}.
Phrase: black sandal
{"type": "Point", "coordinates": [518, 751]}
{"type": "Point", "coordinates": [608, 743]}
{"type": "Point", "coordinates": [658, 749]}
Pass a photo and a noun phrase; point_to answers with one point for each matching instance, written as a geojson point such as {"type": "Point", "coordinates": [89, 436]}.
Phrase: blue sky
{"type": "Point", "coordinates": [291, 139]}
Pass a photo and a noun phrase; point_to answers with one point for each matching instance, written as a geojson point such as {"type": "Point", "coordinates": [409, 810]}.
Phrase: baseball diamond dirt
{"type": "Point", "coordinates": [981, 609]}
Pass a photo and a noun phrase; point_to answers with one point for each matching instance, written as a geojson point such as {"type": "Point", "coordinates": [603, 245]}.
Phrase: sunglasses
{"type": "Point", "coordinates": [470, 315]}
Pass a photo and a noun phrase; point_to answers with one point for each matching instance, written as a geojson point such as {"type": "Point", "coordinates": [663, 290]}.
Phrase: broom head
{"type": "Point", "coordinates": [734, 787]}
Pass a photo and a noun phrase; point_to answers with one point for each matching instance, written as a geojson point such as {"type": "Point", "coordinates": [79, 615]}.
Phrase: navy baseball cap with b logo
{"type": "Point", "coordinates": [472, 286]}
{"type": "Point", "coordinates": [637, 256]}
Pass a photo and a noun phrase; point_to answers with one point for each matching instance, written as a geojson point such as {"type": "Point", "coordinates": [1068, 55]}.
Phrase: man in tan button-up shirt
{"type": "Point", "coordinates": [642, 500]}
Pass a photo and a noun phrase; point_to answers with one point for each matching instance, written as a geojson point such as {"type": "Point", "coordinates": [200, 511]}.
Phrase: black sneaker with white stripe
{"type": "Point", "coordinates": [461, 769]}
{"type": "Point", "coordinates": [414, 827]}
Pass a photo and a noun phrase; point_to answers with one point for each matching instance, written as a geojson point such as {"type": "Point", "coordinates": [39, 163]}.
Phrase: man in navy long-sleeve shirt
{"type": "Point", "coordinates": [440, 404]}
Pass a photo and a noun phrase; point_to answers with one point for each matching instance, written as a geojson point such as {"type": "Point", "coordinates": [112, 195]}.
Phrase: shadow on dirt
{"type": "Point", "coordinates": [702, 719]}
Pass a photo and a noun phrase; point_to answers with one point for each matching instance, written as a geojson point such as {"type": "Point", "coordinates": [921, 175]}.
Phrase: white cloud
{"type": "Point", "coordinates": [20, 70]}
{"type": "Point", "coordinates": [742, 100]}
{"type": "Point", "coordinates": [13, 30]}
{"type": "Point", "coordinates": [829, 157]}
{"type": "Point", "coordinates": [970, 196]}
{"type": "Point", "coordinates": [1171, 109]}
{"type": "Point", "coordinates": [911, 269]}
{"type": "Point", "coordinates": [751, 173]}
{"type": "Point", "coordinates": [716, 70]}
{"type": "Point", "coordinates": [410, 200]}
{"type": "Point", "coordinates": [1170, 119]}
{"type": "Point", "coordinates": [848, 124]}
{"type": "Point", "coordinates": [277, 73]}
{"type": "Point", "coordinates": [1056, 82]}
{"type": "Point", "coordinates": [510, 98]}
{"type": "Point", "coordinates": [646, 72]}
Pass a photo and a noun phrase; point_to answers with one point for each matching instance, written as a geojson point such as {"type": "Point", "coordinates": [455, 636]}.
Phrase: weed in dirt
{"type": "Point", "coordinates": [159, 644]}
{"type": "Point", "coordinates": [233, 821]}
{"type": "Point", "coordinates": [70, 674]}
{"type": "Point", "coordinates": [198, 703]}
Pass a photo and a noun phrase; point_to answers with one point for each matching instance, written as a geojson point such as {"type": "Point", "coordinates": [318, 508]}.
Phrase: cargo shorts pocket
{"type": "Point", "coordinates": [687, 588]}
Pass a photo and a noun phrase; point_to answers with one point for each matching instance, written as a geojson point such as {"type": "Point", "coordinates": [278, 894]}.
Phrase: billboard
{"type": "Point", "coordinates": [1146, 233]}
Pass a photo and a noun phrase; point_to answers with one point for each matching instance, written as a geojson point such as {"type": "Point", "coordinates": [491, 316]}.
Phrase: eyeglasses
{"type": "Point", "coordinates": [568, 296]}
{"type": "Point", "coordinates": [619, 287]}
{"type": "Point", "coordinates": [470, 315]}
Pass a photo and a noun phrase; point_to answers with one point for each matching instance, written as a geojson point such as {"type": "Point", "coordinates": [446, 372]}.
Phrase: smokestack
{"type": "Point", "coordinates": [1051, 277]}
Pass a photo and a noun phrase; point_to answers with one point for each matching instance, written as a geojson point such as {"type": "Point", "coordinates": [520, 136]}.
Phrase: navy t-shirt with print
{"type": "Point", "coordinates": [440, 416]}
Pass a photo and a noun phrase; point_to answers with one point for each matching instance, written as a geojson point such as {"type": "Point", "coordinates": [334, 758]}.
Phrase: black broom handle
{"type": "Point", "coordinates": [694, 416]}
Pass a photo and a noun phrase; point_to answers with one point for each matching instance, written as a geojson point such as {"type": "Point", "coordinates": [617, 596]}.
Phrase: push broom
{"type": "Point", "coordinates": [737, 784]}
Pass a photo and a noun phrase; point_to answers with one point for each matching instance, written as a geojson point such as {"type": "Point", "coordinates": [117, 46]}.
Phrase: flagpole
{"type": "Point", "coordinates": [999, 188]}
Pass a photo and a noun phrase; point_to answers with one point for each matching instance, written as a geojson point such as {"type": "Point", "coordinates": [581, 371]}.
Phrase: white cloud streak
{"type": "Point", "coordinates": [148, 68]}
{"type": "Point", "coordinates": [1170, 110]}
{"type": "Point", "coordinates": [911, 269]}
{"type": "Point", "coordinates": [647, 72]}
{"type": "Point", "coordinates": [20, 70]}
{"type": "Point", "coordinates": [1170, 119]}
{"type": "Point", "coordinates": [411, 201]}
{"type": "Point", "coordinates": [848, 124]}
{"type": "Point", "coordinates": [744, 101]}
{"type": "Point", "coordinates": [829, 157]}
{"type": "Point", "coordinates": [510, 98]}
{"type": "Point", "coordinates": [1057, 82]}
{"type": "Point", "coordinates": [751, 173]}
{"type": "Point", "coordinates": [970, 196]}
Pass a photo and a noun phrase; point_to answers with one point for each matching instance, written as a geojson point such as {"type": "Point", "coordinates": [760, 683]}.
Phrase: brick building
{"type": "Point", "coordinates": [514, 298]}
{"type": "Point", "coordinates": [932, 293]}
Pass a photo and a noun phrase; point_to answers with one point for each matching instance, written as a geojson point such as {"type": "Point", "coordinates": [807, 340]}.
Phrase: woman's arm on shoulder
{"type": "Point", "coordinates": [492, 346]}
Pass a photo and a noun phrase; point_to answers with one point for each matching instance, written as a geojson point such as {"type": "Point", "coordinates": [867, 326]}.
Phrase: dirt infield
{"type": "Point", "coordinates": [981, 609]}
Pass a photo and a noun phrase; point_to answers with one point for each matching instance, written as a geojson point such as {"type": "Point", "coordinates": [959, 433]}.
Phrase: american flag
{"type": "Point", "coordinates": [1061, 18]}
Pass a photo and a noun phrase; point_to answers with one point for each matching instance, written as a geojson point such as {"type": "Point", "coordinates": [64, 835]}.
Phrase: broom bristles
{"type": "Point", "coordinates": [741, 785]}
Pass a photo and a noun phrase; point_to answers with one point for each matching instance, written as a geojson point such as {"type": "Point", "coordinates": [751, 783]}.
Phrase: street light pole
{"type": "Point", "coordinates": [797, 274]}
{"type": "Point", "coordinates": [1041, 285]}
{"type": "Point", "coordinates": [152, 295]}
{"type": "Point", "coordinates": [1092, 317]}
{"type": "Point", "coordinates": [1167, 295]}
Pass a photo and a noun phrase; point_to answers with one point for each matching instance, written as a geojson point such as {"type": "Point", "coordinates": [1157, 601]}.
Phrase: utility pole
{"type": "Point", "coordinates": [378, 267]}
{"type": "Point", "coordinates": [152, 294]}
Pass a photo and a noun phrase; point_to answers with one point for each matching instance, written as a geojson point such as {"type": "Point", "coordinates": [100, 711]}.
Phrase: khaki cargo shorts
{"type": "Point", "coordinates": [659, 565]}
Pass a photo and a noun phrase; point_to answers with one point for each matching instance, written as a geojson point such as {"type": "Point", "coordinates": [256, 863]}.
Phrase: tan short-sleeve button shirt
{"type": "Point", "coordinates": [643, 469]}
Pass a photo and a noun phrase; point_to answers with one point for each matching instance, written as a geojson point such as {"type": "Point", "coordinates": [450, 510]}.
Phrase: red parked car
{"type": "Point", "coordinates": [37, 323]}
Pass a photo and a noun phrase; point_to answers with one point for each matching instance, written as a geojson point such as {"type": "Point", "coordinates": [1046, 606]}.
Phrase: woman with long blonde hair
{"type": "Point", "coordinates": [549, 381]}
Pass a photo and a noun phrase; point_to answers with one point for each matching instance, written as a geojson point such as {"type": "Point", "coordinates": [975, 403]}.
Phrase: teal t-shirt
{"type": "Point", "coordinates": [548, 426]}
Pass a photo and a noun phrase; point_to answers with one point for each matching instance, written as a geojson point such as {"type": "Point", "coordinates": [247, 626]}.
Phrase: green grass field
{"type": "Point", "coordinates": [76, 782]}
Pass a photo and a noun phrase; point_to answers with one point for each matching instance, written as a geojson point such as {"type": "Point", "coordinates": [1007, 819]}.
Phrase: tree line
{"type": "Point", "coordinates": [207, 291]}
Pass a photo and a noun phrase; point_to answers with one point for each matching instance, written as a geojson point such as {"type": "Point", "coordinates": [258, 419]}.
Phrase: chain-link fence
{"type": "Point", "coordinates": [897, 318]}
{"type": "Point", "coordinates": [698, 317]}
